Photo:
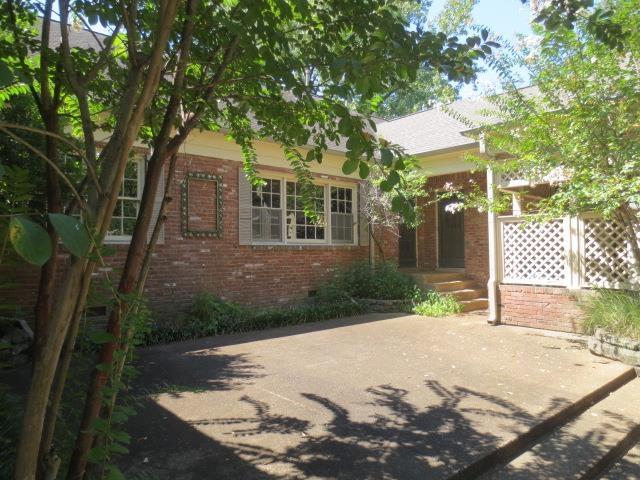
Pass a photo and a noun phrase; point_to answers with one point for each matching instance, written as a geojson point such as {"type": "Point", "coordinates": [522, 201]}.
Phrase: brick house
{"type": "Point", "coordinates": [254, 245]}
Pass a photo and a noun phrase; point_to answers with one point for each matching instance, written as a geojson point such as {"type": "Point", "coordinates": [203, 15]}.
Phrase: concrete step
{"type": "Point", "coordinates": [449, 286]}
{"type": "Point", "coordinates": [437, 277]}
{"type": "Point", "coordinates": [573, 450]}
{"type": "Point", "coordinates": [468, 294]}
{"type": "Point", "coordinates": [475, 304]}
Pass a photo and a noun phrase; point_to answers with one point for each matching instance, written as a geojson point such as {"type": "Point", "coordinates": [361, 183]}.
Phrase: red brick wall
{"type": "Point", "coordinates": [476, 246]}
{"type": "Point", "coordinates": [182, 267]}
{"type": "Point", "coordinates": [550, 308]}
{"type": "Point", "coordinates": [385, 241]}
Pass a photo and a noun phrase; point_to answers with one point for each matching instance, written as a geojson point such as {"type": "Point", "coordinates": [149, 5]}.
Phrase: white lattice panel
{"type": "Point", "coordinates": [607, 259]}
{"type": "Point", "coordinates": [534, 252]}
{"type": "Point", "coordinates": [518, 177]}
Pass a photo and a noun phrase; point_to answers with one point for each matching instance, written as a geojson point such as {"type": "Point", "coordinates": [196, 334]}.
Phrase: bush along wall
{"type": "Point", "coordinates": [209, 315]}
{"type": "Point", "coordinates": [612, 319]}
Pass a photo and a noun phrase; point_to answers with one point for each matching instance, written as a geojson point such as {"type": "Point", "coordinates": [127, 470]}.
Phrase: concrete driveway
{"type": "Point", "coordinates": [372, 397]}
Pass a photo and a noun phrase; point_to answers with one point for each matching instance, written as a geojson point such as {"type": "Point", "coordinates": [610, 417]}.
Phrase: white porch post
{"type": "Point", "coordinates": [492, 284]}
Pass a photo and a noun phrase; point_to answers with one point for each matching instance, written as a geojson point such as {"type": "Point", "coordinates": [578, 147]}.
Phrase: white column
{"type": "Point", "coordinates": [492, 284]}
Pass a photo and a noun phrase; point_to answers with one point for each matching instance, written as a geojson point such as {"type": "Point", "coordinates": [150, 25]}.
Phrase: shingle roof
{"type": "Point", "coordinates": [441, 128]}
{"type": "Point", "coordinates": [434, 129]}
{"type": "Point", "coordinates": [77, 38]}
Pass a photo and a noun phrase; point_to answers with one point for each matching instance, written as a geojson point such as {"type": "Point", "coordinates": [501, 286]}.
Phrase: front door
{"type": "Point", "coordinates": [407, 246]}
{"type": "Point", "coordinates": [450, 235]}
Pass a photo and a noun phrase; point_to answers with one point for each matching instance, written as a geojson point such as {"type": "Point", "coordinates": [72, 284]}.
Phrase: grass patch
{"type": "Point", "coordinates": [617, 312]}
{"type": "Point", "coordinates": [434, 304]}
{"type": "Point", "coordinates": [210, 316]}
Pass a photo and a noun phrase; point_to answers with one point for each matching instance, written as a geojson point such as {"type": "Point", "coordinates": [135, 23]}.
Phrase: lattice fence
{"type": "Point", "coordinates": [534, 252]}
{"type": "Point", "coordinates": [607, 259]}
{"type": "Point", "coordinates": [554, 176]}
{"type": "Point", "coordinates": [579, 252]}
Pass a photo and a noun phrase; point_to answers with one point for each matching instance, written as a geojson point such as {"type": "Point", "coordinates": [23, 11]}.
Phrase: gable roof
{"type": "Point", "coordinates": [442, 128]}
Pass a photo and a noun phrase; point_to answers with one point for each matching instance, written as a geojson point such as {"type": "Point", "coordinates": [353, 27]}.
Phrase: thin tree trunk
{"type": "Point", "coordinates": [46, 445]}
{"type": "Point", "coordinates": [134, 260]}
{"type": "Point", "coordinates": [137, 95]}
{"type": "Point", "coordinates": [48, 270]}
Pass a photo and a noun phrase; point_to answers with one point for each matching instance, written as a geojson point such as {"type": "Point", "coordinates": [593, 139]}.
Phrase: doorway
{"type": "Point", "coordinates": [450, 235]}
{"type": "Point", "coordinates": [407, 247]}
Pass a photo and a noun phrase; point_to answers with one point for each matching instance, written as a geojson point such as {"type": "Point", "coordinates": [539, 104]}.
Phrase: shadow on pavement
{"type": "Point", "coordinates": [401, 441]}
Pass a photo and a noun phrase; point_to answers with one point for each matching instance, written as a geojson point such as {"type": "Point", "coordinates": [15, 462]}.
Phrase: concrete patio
{"type": "Point", "coordinates": [377, 396]}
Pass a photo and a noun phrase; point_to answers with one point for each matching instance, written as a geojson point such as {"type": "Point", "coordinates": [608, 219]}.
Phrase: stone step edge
{"type": "Point", "coordinates": [618, 451]}
{"type": "Point", "coordinates": [520, 444]}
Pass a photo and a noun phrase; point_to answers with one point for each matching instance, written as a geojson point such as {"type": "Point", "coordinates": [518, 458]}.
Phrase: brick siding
{"type": "Point", "coordinates": [550, 308]}
{"type": "Point", "coordinates": [247, 274]}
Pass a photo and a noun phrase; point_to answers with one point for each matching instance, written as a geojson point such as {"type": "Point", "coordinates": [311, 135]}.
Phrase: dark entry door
{"type": "Point", "coordinates": [450, 235]}
{"type": "Point", "coordinates": [407, 246]}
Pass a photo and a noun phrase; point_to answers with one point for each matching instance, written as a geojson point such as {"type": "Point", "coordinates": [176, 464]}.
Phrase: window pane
{"type": "Point", "coordinates": [115, 227]}
{"type": "Point", "coordinates": [131, 170]}
{"type": "Point", "coordinates": [129, 208]}
{"type": "Point", "coordinates": [128, 224]}
{"type": "Point", "coordinates": [130, 188]}
{"type": "Point", "coordinates": [266, 224]}
{"type": "Point", "coordinates": [275, 201]}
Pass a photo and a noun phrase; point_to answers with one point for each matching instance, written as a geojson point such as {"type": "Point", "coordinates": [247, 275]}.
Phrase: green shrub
{"type": "Point", "coordinates": [617, 312]}
{"type": "Point", "coordinates": [434, 304]}
{"type": "Point", "coordinates": [360, 280]}
{"type": "Point", "coordinates": [210, 315]}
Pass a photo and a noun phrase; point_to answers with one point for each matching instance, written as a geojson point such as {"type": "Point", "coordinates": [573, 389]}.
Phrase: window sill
{"type": "Point", "coordinates": [303, 246]}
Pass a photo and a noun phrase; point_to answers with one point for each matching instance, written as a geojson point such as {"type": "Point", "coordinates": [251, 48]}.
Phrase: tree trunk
{"type": "Point", "coordinates": [46, 445]}
{"type": "Point", "coordinates": [48, 270]}
{"type": "Point", "coordinates": [130, 272]}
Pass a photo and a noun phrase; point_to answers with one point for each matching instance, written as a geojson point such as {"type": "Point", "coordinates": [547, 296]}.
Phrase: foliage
{"type": "Point", "coordinates": [287, 71]}
{"type": "Point", "coordinates": [579, 125]}
{"type": "Point", "coordinates": [430, 86]}
{"type": "Point", "coordinates": [377, 202]}
{"type": "Point", "coordinates": [435, 304]}
{"type": "Point", "coordinates": [360, 280]}
{"type": "Point", "coordinates": [617, 312]}
{"type": "Point", "coordinates": [10, 417]}
{"type": "Point", "coordinates": [209, 315]}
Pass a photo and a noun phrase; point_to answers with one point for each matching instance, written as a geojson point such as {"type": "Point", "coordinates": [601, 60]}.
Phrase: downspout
{"type": "Point", "coordinates": [492, 284]}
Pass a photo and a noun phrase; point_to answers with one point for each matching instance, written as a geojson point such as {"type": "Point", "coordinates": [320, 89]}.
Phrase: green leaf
{"type": "Point", "coordinates": [29, 240]}
{"type": "Point", "coordinates": [397, 204]}
{"type": "Point", "coordinates": [386, 157]}
{"type": "Point", "coordinates": [1, 171]}
{"type": "Point", "coordinates": [364, 170]}
{"type": "Point", "coordinates": [393, 178]}
{"type": "Point", "coordinates": [72, 232]}
{"type": "Point", "coordinates": [345, 125]}
{"type": "Point", "coordinates": [350, 165]}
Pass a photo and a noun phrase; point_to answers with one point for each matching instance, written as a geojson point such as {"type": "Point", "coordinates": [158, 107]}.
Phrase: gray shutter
{"type": "Point", "coordinates": [363, 224]}
{"type": "Point", "coordinates": [244, 208]}
{"type": "Point", "coordinates": [156, 210]}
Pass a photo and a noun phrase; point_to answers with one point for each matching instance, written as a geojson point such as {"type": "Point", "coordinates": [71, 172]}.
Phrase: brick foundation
{"type": "Point", "coordinates": [550, 308]}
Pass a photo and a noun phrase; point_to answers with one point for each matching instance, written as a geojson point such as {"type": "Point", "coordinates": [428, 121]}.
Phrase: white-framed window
{"type": "Point", "coordinates": [278, 216]}
{"type": "Point", "coordinates": [126, 212]}
{"type": "Point", "coordinates": [342, 214]}
{"type": "Point", "coordinates": [300, 226]}
{"type": "Point", "coordinates": [266, 211]}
